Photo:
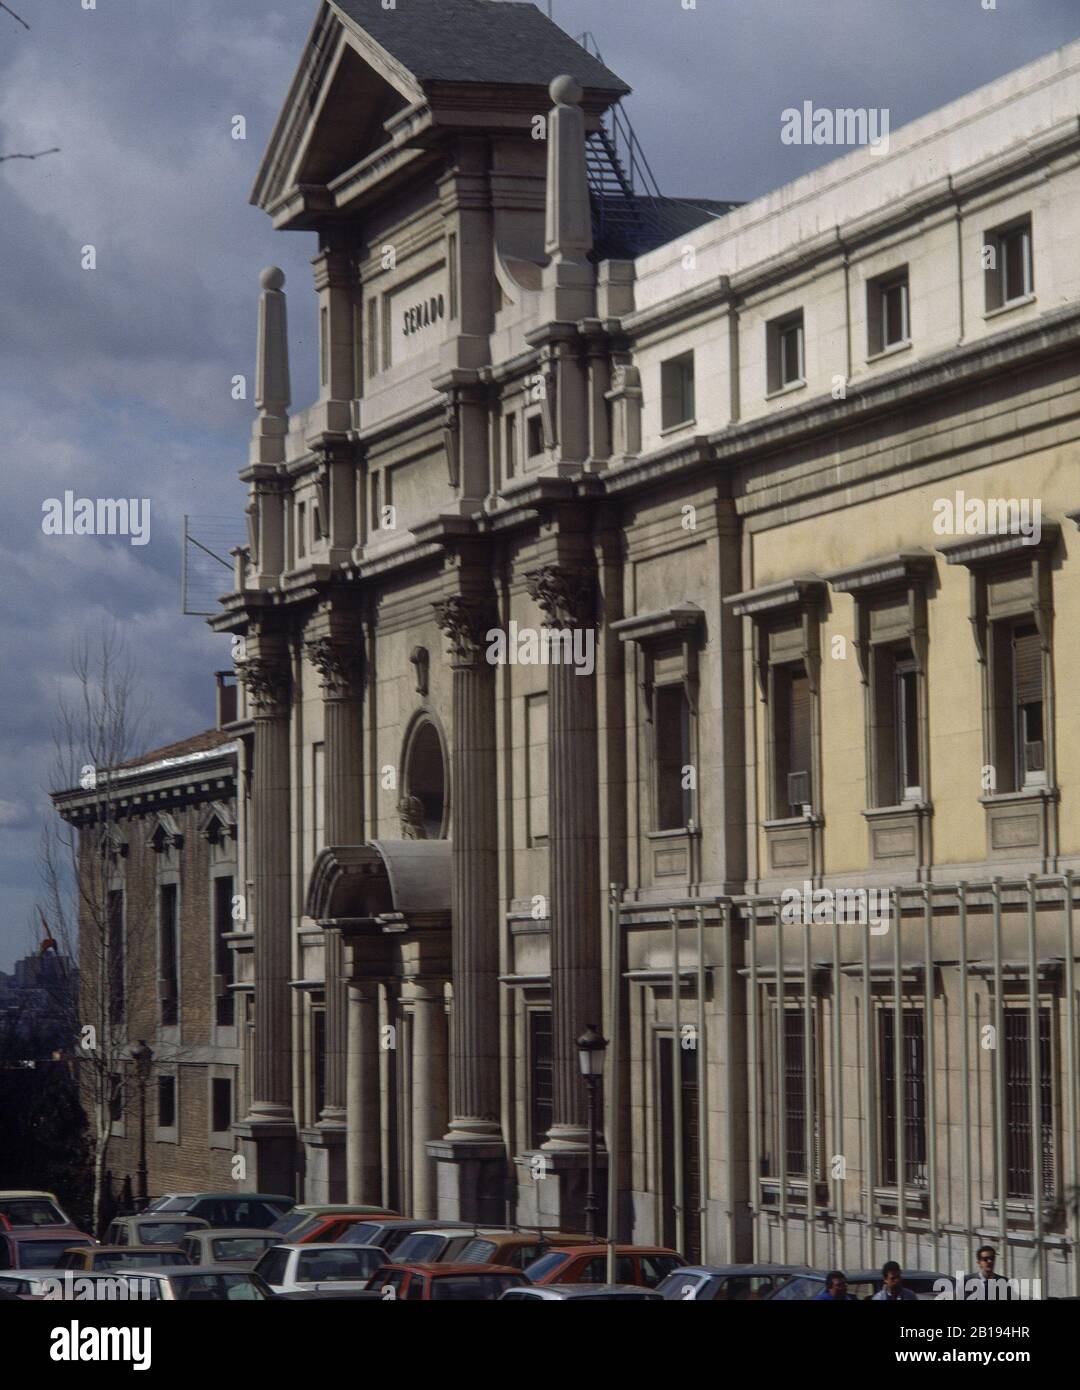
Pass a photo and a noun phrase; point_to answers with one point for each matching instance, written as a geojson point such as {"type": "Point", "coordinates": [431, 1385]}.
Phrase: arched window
{"type": "Point", "coordinates": [425, 801]}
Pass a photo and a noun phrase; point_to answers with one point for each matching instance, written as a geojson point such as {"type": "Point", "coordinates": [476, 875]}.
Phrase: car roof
{"type": "Point", "coordinates": [238, 1232]}
{"type": "Point", "coordinates": [132, 1249]}
{"type": "Point", "coordinates": [599, 1249]}
{"type": "Point", "coordinates": [187, 1271]}
{"type": "Point", "coordinates": [466, 1231]}
{"type": "Point", "coordinates": [732, 1271]}
{"type": "Point", "coordinates": [441, 1270]}
{"type": "Point", "coordinates": [560, 1291]}
{"type": "Point", "coordinates": [323, 1245]}
{"type": "Point", "coordinates": [13, 1192]}
{"type": "Point", "coordinates": [339, 1209]}
{"type": "Point", "coordinates": [228, 1196]}
{"type": "Point", "coordinates": [27, 1233]}
{"type": "Point", "coordinates": [168, 1218]}
{"type": "Point", "coordinates": [863, 1275]}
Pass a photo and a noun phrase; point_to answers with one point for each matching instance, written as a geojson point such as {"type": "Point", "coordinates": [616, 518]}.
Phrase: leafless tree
{"type": "Point", "coordinates": [98, 727]}
{"type": "Point", "coordinates": [56, 149]}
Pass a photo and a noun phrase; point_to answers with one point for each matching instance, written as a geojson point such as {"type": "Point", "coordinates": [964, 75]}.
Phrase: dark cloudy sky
{"type": "Point", "coordinates": [116, 382]}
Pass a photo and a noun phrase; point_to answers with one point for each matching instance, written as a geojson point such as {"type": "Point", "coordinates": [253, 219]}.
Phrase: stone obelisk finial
{"type": "Point", "coordinates": [569, 277]}
{"type": "Point", "coordinates": [272, 391]}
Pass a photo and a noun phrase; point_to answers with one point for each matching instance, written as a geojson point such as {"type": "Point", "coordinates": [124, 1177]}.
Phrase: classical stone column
{"type": "Point", "coordinates": [424, 999]}
{"type": "Point", "coordinates": [567, 598]}
{"type": "Point", "coordinates": [270, 1122]}
{"type": "Point", "coordinates": [474, 893]}
{"type": "Point", "coordinates": [362, 1158]}
{"type": "Point", "coordinates": [339, 664]}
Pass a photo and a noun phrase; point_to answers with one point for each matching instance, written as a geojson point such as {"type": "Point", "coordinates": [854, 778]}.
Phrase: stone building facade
{"type": "Point", "coordinates": [158, 851]}
{"type": "Point", "coordinates": [628, 638]}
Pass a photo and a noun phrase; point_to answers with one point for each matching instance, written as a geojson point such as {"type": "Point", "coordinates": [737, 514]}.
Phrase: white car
{"type": "Point", "coordinates": [318, 1267]}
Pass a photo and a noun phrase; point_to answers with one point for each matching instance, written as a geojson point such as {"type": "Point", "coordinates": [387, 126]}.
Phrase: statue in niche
{"type": "Point", "coordinates": [411, 814]}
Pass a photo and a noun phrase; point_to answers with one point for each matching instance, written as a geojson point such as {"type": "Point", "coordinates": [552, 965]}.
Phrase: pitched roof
{"type": "Point", "coordinates": [490, 41]}
{"type": "Point", "coordinates": [198, 743]}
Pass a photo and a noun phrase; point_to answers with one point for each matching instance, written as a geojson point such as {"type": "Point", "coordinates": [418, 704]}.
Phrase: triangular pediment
{"type": "Point", "coordinates": [345, 90]}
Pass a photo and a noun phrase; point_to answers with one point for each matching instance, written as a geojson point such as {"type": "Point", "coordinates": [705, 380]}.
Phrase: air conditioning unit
{"type": "Point", "coordinates": [798, 793]}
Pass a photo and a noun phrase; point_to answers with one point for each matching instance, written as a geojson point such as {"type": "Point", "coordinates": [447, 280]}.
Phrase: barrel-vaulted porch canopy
{"type": "Point", "coordinates": [382, 882]}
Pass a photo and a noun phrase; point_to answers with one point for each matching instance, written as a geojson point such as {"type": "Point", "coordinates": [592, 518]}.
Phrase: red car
{"type": "Point", "coordinates": [39, 1247]}
{"type": "Point", "coordinates": [644, 1265]}
{"type": "Point", "coordinates": [439, 1283]}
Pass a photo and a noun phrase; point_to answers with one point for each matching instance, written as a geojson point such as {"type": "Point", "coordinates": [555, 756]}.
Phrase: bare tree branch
{"type": "Point", "coordinates": [40, 153]}
{"type": "Point", "coordinates": [12, 13]}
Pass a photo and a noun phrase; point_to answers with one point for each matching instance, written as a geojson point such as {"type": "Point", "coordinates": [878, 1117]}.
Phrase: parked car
{"type": "Point", "coordinates": [518, 1249]}
{"type": "Point", "coordinates": [390, 1231]}
{"type": "Point", "coordinates": [28, 1208]}
{"type": "Point", "coordinates": [25, 1287]}
{"type": "Point", "coordinates": [727, 1283]}
{"type": "Point", "coordinates": [248, 1209]}
{"type": "Point", "coordinates": [300, 1222]}
{"type": "Point", "coordinates": [643, 1265]}
{"type": "Point", "coordinates": [603, 1293]}
{"type": "Point", "coordinates": [434, 1246]}
{"type": "Point", "coordinates": [198, 1284]}
{"type": "Point", "coordinates": [152, 1230]}
{"type": "Point", "coordinates": [863, 1283]}
{"type": "Point", "coordinates": [228, 1245]}
{"type": "Point", "coordinates": [38, 1247]}
{"type": "Point", "coordinates": [312, 1268]}
{"type": "Point", "coordinates": [441, 1283]}
{"type": "Point", "coordinates": [90, 1259]}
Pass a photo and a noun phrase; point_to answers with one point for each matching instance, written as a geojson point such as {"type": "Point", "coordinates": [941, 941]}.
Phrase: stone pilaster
{"type": "Point", "coordinates": [362, 1157]}
{"type": "Point", "coordinates": [269, 1125]}
{"type": "Point", "coordinates": [567, 597]}
{"type": "Point", "coordinates": [424, 1001]}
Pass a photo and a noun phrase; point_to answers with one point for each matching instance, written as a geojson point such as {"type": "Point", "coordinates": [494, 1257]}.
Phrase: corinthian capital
{"type": "Point", "coordinates": [566, 595]}
{"type": "Point", "coordinates": [268, 684]}
{"type": "Point", "coordinates": [339, 663]}
{"type": "Point", "coordinates": [465, 622]}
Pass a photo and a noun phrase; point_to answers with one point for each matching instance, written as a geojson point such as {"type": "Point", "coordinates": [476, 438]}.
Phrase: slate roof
{"type": "Point", "coordinates": [198, 743]}
{"type": "Point", "coordinates": [490, 41]}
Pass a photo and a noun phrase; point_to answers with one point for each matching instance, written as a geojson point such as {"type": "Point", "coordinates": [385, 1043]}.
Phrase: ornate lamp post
{"type": "Point", "coordinates": [591, 1049]}
{"type": "Point", "coordinates": [143, 1056]}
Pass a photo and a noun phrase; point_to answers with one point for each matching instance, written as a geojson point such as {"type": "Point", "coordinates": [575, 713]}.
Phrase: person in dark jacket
{"type": "Point", "coordinates": [835, 1290]}
{"type": "Point", "coordinates": [892, 1286]}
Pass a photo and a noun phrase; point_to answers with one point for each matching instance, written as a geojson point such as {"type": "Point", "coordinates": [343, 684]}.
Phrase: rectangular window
{"type": "Point", "coordinates": [534, 436]}
{"type": "Point", "coordinates": [1010, 273]}
{"type": "Point", "coordinates": [786, 352]}
{"type": "Point", "coordinates": [373, 336]}
{"type": "Point", "coordinates": [376, 504]}
{"type": "Point", "coordinates": [318, 796]}
{"type": "Point", "coordinates": [166, 1102]}
{"type": "Point", "coordinates": [114, 909]}
{"type": "Point", "coordinates": [301, 530]}
{"type": "Point", "coordinates": [887, 308]}
{"type": "Point", "coordinates": [541, 1076]}
{"type": "Point", "coordinates": [116, 1097]}
{"type": "Point", "coordinates": [324, 344]}
{"type": "Point", "coordinates": [224, 999]}
{"type": "Point", "coordinates": [895, 693]}
{"type": "Point", "coordinates": [452, 269]}
{"type": "Point", "coordinates": [794, 1094]}
{"type": "Point", "coordinates": [671, 756]}
{"type": "Point", "coordinates": [791, 712]}
{"type": "Point", "coordinates": [510, 449]}
{"type": "Point", "coordinates": [914, 1097]}
{"type": "Point", "coordinates": [1018, 1096]}
{"type": "Point", "coordinates": [168, 955]}
{"type": "Point", "coordinates": [677, 391]}
{"type": "Point", "coordinates": [536, 737]}
{"type": "Point", "coordinates": [318, 1062]}
{"type": "Point", "coordinates": [387, 349]}
{"type": "Point", "coordinates": [1018, 706]}
{"type": "Point", "coordinates": [221, 1104]}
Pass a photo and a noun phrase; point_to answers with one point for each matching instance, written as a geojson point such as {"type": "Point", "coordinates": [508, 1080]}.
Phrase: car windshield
{"type": "Point", "coordinates": [31, 1211]}
{"type": "Point", "coordinates": [321, 1266]}
{"type": "Point", "coordinates": [544, 1265]}
{"type": "Point", "coordinates": [162, 1232]}
{"type": "Point", "coordinates": [216, 1288]}
{"type": "Point", "coordinates": [294, 1223]}
{"type": "Point", "coordinates": [175, 1204]}
{"type": "Point", "coordinates": [44, 1254]}
{"type": "Point", "coordinates": [144, 1259]}
{"type": "Point", "coordinates": [240, 1247]}
{"type": "Point", "coordinates": [462, 1287]}
{"type": "Point", "coordinates": [362, 1233]}
{"type": "Point", "coordinates": [798, 1289]}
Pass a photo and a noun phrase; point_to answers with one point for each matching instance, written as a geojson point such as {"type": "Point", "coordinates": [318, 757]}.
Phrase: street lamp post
{"type": "Point", "coordinates": [591, 1048]}
{"type": "Point", "coordinates": [142, 1055]}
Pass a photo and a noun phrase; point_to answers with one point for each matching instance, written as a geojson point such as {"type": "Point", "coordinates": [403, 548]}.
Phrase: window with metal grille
{"type": "Point", "coordinates": [1018, 1108]}
{"type": "Point", "coordinates": [541, 1093]}
{"type": "Point", "coordinates": [913, 1068]}
{"type": "Point", "coordinates": [795, 1092]}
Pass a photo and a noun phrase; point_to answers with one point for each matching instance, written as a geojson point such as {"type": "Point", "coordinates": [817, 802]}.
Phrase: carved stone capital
{"type": "Point", "coordinates": [339, 663]}
{"type": "Point", "coordinates": [466, 623]}
{"type": "Point", "coordinates": [566, 595]}
{"type": "Point", "coordinates": [268, 684]}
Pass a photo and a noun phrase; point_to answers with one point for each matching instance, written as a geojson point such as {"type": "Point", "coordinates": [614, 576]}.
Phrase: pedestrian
{"type": "Point", "coordinates": [835, 1290]}
{"type": "Point", "coordinates": [987, 1283]}
{"type": "Point", "coordinates": [892, 1286]}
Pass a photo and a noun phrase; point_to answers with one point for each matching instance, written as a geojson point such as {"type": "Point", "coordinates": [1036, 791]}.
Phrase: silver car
{"type": "Point", "coordinates": [319, 1267]}
{"type": "Point", "coordinates": [606, 1293]}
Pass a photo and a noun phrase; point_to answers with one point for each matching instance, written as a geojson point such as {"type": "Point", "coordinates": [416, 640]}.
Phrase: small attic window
{"type": "Point", "coordinates": [534, 436]}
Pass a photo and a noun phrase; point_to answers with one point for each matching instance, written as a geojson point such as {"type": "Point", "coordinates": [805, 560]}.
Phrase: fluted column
{"type": "Point", "coordinates": [339, 664]}
{"type": "Point", "coordinates": [363, 1167]}
{"type": "Point", "coordinates": [267, 682]}
{"type": "Point", "coordinates": [567, 599]}
{"type": "Point", "coordinates": [474, 891]}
